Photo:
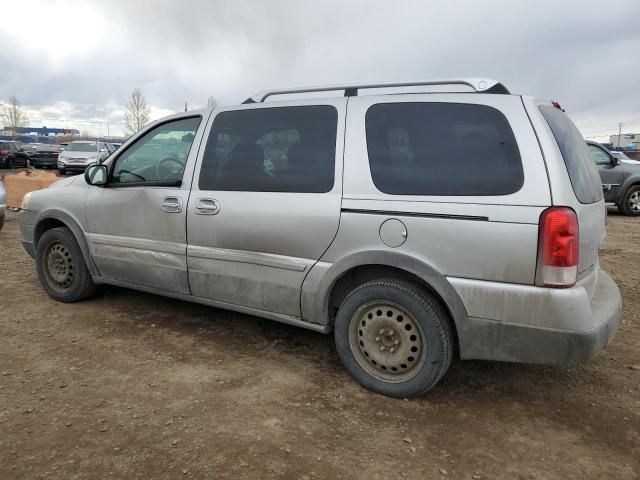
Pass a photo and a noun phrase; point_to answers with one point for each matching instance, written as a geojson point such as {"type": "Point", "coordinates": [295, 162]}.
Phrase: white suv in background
{"type": "Point", "coordinates": [79, 155]}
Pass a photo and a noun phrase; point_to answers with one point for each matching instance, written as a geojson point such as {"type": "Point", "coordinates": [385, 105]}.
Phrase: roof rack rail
{"type": "Point", "coordinates": [479, 85]}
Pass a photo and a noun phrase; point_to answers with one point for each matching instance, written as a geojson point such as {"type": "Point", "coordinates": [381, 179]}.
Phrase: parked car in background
{"type": "Point", "coordinates": [623, 157]}
{"type": "Point", "coordinates": [80, 154]}
{"type": "Point", "coordinates": [45, 156]}
{"type": "Point", "coordinates": [620, 179]}
{"type": "Point", "coordinates": [12, 155]}
{"type": "Point", "coordinates": [3, 203]}
{"type": "Point", "coordinates": [415, 226]}
{"type": "Point", "coordinates": [29, 148]}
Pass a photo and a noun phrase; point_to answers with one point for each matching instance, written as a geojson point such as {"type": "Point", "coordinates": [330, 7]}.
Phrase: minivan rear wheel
{"type": "Point", "coordinates": [393, 338]}
{"type": "Point", "coordinates": [631, 202]}
{"type": "Point", "coordinates": [61, 268]}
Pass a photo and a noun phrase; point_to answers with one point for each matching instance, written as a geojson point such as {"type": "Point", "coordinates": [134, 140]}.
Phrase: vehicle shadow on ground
{"type": "Point", "coordinates": [251, 334]}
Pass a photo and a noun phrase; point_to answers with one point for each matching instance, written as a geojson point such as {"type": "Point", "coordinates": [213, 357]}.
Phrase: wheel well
{"type": "Point", "coordinates": [43, 226]}
{"type": "Point", "coordinates": [365, 273]}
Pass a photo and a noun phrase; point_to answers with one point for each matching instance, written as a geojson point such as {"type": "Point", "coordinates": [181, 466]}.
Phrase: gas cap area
{"type": "Point", "coordinates": [393, 232]}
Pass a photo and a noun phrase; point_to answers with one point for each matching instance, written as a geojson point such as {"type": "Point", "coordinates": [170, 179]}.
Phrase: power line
{"type": "Point", "coordinates": [619, 133]}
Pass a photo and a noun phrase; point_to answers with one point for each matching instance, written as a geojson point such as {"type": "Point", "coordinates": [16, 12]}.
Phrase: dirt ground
{"type": "Point", "coordinates": [131, 385]}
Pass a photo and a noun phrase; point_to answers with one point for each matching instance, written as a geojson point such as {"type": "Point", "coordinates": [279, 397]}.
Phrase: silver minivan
{"type": "Point", "coordinates": [415, 223]}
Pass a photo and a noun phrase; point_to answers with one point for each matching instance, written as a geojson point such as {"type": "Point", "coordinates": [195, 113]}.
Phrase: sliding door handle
{"type": "Point", "coordinates": [207, 206]}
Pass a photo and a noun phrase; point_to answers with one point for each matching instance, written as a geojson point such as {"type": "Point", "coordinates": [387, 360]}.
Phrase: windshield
{"type": "Point", "coordinates": [81, 147]}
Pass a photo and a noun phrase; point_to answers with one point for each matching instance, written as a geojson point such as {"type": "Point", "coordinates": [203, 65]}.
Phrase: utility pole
{"type": "Point", "coordinates": [185, 106]}
{"type": "Point", "coordinates": [619, 133]}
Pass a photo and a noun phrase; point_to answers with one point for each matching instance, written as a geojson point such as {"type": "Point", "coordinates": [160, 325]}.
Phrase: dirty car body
{"type": "Point", "coordinates": [414, 226]}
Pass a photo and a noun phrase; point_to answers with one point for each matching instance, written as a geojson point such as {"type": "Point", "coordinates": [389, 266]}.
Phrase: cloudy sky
{"type": "Point", "coordinates": [73, 63]}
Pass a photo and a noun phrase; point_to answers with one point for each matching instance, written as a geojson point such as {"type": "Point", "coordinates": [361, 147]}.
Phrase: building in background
{"type": "Point", "coordinates": [41, 131]}
{"type": "Point", "coordinates": [626, 140]}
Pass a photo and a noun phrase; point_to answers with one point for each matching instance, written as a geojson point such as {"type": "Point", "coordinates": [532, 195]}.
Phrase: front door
{"type": "Point", "coordinates": [611, 173]}
{"type": "Point", "coordinates": [137, 222]}
{"type": "Point", "coordinates": [265, 202]}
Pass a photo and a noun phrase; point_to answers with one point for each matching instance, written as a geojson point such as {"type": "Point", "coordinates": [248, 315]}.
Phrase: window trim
{"type": "Point", "coordinates": [519, 188]}
{"type": "Point", "coordinates": [149, 183]}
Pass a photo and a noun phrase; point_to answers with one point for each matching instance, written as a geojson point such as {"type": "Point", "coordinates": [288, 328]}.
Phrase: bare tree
{"type": "Point", "coordinates": [211, 102]}
{"type": "Point", "coordinates": [13, 116]}
{"type": "Point", "coordinates": [137, 114]}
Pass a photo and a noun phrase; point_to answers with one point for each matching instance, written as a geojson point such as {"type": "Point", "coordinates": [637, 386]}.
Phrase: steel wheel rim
{"type": "Point", "coordinates": [387, 341]}
{"type": "Point", "coordinates": [634, 201]}
{"type": "Point", "coordinates": [59, 266]}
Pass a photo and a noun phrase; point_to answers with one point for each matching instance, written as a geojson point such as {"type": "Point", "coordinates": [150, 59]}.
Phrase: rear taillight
{"type": "Point", "coordinates": [558, 248]}
{"type": "Point", "coordinates": [4, 152]}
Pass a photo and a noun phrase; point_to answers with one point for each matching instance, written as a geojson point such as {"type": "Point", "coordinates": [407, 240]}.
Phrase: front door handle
{"type": "Point", "coordinates": [171, 204]}
{"type": "Point", "coordinates": [207, 206]}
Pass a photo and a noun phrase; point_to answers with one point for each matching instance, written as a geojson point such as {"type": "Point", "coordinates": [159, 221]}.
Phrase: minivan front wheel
{"type": "Point", "coordinates": [631, 201]}
{"type": "Point", "coordinates": [61, 267]}
{"type": "Point", "coordinates": [393, 338]}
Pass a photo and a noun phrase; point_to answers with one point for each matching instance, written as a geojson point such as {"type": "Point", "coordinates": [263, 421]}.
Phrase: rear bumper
{"type": "Point", "coordinates": [501, 340]}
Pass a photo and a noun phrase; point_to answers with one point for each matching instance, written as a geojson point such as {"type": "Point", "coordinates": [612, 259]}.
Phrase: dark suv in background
{"type": "Point", "coordinates": [620, 179]}
{"type": "Point", "coordinates": [11, 155]}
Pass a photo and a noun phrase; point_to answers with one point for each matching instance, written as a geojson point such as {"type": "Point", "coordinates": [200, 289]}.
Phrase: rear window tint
{"type": "Point", "coordinates": [283, 149]}
{"type": "Point", "coordinates": [442, 149]}
{"type": "Point", "coordinates": [582, 170]}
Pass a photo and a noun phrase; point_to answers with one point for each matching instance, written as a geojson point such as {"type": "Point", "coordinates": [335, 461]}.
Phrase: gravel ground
{"type": "Point", "coordinates": [131, 385]}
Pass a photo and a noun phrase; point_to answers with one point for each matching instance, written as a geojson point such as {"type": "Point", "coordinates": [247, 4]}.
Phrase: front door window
{"type": "Point", "coordinates": [159, 156]}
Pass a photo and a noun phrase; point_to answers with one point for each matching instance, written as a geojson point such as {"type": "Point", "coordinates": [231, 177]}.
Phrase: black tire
{"type": "Point", "coordinates": [408, 306]}
{"type": "Point", "coordinates": [1, 221]}
{"type": "Point", "coordinates": [61, 171]}
{"type": "Point", "coordinates": [10, 163]}
{"type": "Point", "coordinates": [630, 205]}
{"type": "Point", "coordinates": [61, 268]}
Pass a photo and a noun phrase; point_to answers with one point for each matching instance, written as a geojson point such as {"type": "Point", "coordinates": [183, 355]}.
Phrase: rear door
{"type": "Point", "coordinates": [265, 202]}
{"type": "Point", "coordinates": [611, 173]}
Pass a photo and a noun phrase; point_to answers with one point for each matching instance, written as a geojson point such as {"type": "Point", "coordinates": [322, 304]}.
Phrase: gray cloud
{"type": "Point", "coordinates": [583, 55]}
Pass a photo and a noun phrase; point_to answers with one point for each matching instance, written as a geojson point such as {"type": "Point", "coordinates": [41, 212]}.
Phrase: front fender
{"type": "Point", "coordinates": [40, 223]}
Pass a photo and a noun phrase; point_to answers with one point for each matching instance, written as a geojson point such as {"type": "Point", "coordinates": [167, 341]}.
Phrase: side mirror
{"type": "Point", "coordinates": [96, 175]}
{"type": "Point", "coordinates": [615, 161]}
{"type": "Point", "coordinates": [103, 150]}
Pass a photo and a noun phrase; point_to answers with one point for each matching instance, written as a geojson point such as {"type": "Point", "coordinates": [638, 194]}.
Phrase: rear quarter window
{"type": "Point", "coordinates": [442, 149]}
{"type": "Point", "coordinates": [582, 170]}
